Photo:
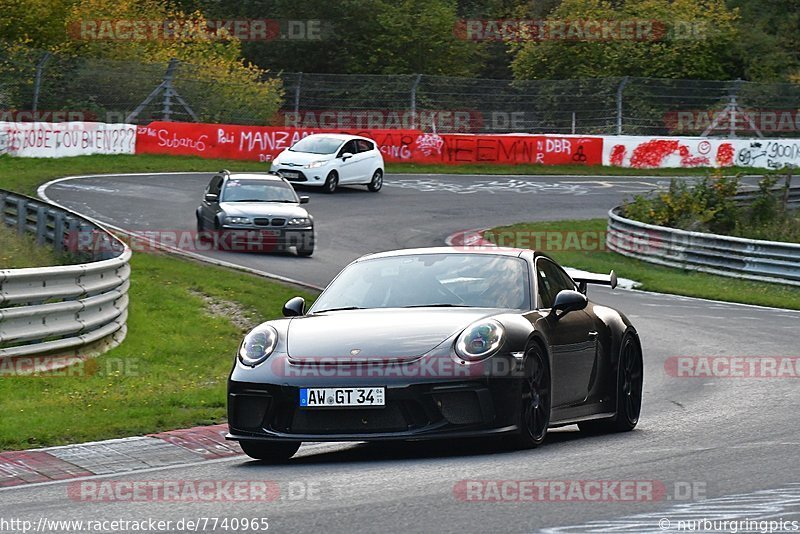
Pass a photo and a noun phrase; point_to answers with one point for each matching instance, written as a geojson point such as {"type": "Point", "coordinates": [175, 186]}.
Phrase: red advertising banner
{"type": "Point", "coordinates": [255, 143]}
{"type": "Point", "coordinates": [455, 149]}
{"type": "Point", "coordinates": [263, 143]}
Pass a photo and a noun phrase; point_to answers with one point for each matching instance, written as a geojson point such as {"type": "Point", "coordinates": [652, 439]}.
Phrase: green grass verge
{"type": "Point", "coordinates": [169, 373]}
{"type": "Point", "coordinates": [24, 175]}
{"type": "Point", "coordinates": [20, 251]}
{"type": "Point", "coordinates": [653, 277]}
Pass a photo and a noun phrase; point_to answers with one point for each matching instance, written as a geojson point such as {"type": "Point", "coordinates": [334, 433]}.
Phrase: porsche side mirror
{"type": "Point", "coordinates": [568, 300]}
{"type": "Point", "coordinates": [211, 198]}
{"type": "Point", "coordinates": [294, 307]}
{"type": "Point", "coordinates": [304, 200]}
{"type": "Point", "coordinates": [346, 156]}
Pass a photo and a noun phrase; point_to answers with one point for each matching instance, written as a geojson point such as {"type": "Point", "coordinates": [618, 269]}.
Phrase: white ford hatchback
{"type": "Point", "coordinates": [331, 160]}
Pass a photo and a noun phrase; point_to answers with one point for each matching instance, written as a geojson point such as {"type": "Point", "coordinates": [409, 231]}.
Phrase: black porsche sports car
{"type": "Point", "coordinates": [437, 343]}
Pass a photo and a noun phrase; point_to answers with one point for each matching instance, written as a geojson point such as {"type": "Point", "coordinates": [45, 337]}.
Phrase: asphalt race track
{"type": "Point", "coordinates": [717, 447]}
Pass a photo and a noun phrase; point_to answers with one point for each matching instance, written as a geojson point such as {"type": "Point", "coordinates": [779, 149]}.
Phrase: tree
{"type": "Point", "coordinates": [109, 67]}
{"type": "Point", "coordinates": [697, 43]}
{"type": "Point", "coordinates": [768, 47]}
{"type": "Point", "coordinates": [358, 36]}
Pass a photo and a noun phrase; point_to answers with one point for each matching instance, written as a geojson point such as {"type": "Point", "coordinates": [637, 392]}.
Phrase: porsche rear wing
{"type": "Point", "coordinates": [583, 279]}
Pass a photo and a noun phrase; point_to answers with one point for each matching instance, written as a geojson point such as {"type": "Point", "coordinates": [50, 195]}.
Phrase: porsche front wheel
{"type": "Point", "coordinates": [534, 416]}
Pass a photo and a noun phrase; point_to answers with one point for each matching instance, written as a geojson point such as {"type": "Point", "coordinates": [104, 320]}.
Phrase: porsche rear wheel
{"type": "Point", "coordinates": [535, 403]}
{"type": "Point", "coordinates": [274, 452]}
{"type": "Point", "coordinates": [630, 378]}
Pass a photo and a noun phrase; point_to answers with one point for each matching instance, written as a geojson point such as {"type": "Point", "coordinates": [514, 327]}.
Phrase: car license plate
{"type": "Point", "coordinates": [341, 397]}
{"type": "Point", "coordinates": [290, 174]}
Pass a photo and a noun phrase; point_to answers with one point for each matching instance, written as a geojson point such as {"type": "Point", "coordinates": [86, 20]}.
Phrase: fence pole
{"type": "Point", "coordinates": [297, 94]}
{"type": "Point", "coordinates": [168, 77]}
{"type": "Point", "coordinates": [37, 82]}
{"type": "Point", "coordinates": [413, 103]}
{"type": "Point", "coordinates": [621, 87]}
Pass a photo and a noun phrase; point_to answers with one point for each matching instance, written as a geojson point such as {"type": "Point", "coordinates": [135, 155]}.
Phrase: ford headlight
{"type": "Point", "coordinates": [237, 220]}
{"type": "Point", "coordinates": [298, 221]}
{"type": "Point", "coordinates": [315, 164]}
{"type": "Point", "coordinates": [480, 340]}
{"type": "Point", "coordinates": [258, 345]}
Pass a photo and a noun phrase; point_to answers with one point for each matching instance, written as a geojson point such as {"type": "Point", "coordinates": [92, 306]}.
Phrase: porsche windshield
{"type": "Point", "coordinates": [442, 280]}
{"type": "Point", "coordinates": [317, 145]}
{"type": "Point", "coordinates": [257, 191]}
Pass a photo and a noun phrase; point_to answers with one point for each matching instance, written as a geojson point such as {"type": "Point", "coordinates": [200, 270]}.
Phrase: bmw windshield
{"type": "Point", "coordinates": [257, 191]}
{"type": "Point", "coordinates": [436, 280]}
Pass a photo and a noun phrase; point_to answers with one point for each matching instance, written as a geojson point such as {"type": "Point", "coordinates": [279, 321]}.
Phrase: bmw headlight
{"type": "Point", "coordinates": [237, 220]}
{"type": "Point", "coordinates": [315, 164]}
{"type": "Point", "coordinates": [480, 340]}
{"type": "Point", "coordinates": [258, 345]}
{"type": "Point", "coordinates": [299, 221]}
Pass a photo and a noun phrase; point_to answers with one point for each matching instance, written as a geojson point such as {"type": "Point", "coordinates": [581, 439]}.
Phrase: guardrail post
{"type": "Point", "coordinates": [22, 215]}
{"type": "Point", "coordinates": [58, 231]}
{"type": "Point", "coordinates": [41, 225]}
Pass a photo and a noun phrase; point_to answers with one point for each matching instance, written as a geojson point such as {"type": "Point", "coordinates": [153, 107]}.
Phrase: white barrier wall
{"type": "Point", "coordinates": [646, 152]}
{"type": "Point", "coordinates": [61, 139]}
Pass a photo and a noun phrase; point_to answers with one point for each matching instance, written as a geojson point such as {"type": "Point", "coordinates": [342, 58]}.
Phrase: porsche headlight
{"type": "Point", "coordinates": [298, 221]}
{"type": "Point", "coordinates": [315, 164]}
{"type": "Point", "coordinates": [258, 345]}
{"type": "Point", "coordinates": [237, 220]}
{"type": "Point", "coordinates": [480, 340]}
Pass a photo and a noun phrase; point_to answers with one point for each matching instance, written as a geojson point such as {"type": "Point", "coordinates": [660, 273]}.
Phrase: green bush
{"type": "Point", "coordinates": [709, 205]}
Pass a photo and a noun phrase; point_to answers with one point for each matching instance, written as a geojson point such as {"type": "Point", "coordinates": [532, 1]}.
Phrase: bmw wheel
{"type": "Point", "coordinates": [377, 181]}
{"type": "Point", "coordinates": [306, 248]}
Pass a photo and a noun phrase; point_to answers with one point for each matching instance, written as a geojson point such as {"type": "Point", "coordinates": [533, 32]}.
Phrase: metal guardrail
{"type": "Point", "coordinates": [62, 310]}
{"type": "Point", "coordinates": [752, 259]}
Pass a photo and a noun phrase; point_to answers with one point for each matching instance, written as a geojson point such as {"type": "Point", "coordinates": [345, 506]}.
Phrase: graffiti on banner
{"type": "Point", "coordinates": [264, 143]}
{"type": "Point", "coordinates": [254, 143]}
{"type": "Point", "coordinates": [514, 149]}
{"type": "Point", "coordinates": [657, 152]}
{"type": "Point", "coordinates": [60, 139]}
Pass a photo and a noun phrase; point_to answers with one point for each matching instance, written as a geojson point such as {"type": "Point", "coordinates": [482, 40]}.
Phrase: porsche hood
{"type": "Point", "coordinates": [389, 334]}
